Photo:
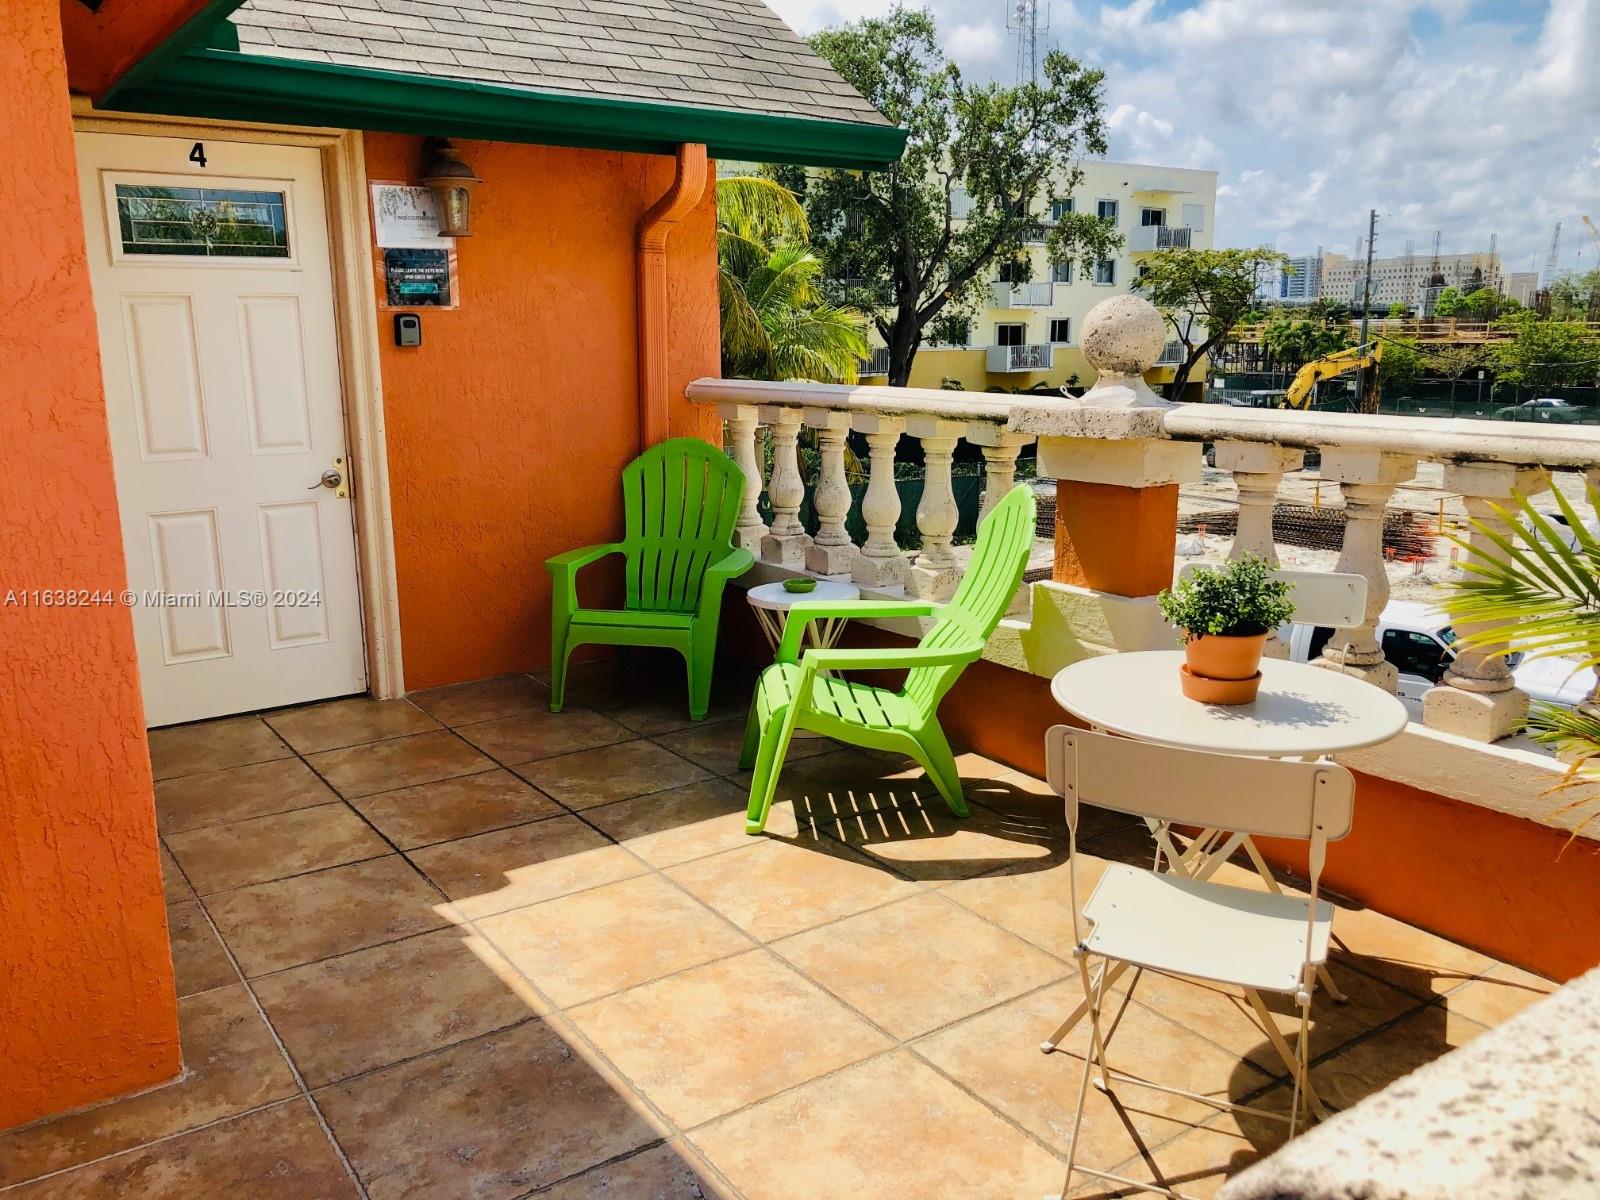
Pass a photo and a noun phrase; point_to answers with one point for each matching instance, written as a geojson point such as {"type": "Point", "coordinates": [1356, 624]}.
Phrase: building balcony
{"type": "Point", "coordinates": [1034, 294]}
{"type": "Point", "coordinates": [876, 363]}
{"type": "Point", "coordinates": [1148, 238]}
{"type": "Point", "coordinates": [457, 944]}
{"type": "Point", "coordinates": [1002, 359]}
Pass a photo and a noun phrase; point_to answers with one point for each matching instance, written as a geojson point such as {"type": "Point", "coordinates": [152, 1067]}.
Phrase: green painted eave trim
{"type": "Point", "coordinates": [249, 87]}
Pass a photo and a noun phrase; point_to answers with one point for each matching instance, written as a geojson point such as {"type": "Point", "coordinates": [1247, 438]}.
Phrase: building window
{"type": "Point", "coordinates": [1010, 333]}
{"type": "Point", "coordinates": [950, 331]}
{"type": "Point", "coordinates": [1061, 272]}
{"type": "Point", "coordinates": [1060, 208]}
{"type": "Point", "coordinates": [203, 222]}
{"type": "Point", "coordinates": [1061, 330]}
{"type": "Point", "coordinates": [1014, 272]}
{"type": "Point", "coordinates": [1106, 210]}
{"type": "Point", "coordinates": [1152, 216]}
{"type": "Point", "coordinates": [1105, 271]}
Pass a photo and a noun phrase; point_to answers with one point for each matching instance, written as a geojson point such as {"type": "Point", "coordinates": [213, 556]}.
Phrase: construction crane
{"type": "Point", "coordinates": [1553, 257]}
{"type": "Point", "coordinates": [1356, 358]}
{"type": "Point", "coordinates": [1593, 232]}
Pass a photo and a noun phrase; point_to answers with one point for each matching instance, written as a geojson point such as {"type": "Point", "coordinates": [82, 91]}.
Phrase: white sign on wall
{"type": "Point", "coordinates": [406, 217]}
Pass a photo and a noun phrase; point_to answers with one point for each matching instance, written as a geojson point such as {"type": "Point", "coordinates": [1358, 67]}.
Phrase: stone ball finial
{"type": "Point", "coordinates": [1123, 335]}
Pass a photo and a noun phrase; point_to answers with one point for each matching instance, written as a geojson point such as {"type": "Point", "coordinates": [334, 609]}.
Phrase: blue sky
{"type": "Point", "coordinates": [1473, 117]}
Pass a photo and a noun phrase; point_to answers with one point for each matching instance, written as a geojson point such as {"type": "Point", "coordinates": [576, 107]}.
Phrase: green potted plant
{"type": "Point", "coordinates": [1225, 614]}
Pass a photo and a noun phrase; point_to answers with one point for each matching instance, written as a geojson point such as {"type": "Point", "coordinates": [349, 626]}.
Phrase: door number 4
{"type": "Point", "coordinates": [197, 154]}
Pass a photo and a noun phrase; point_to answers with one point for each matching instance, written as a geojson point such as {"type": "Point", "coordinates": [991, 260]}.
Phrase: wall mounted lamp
{"type": "Point", "coordinates": [451, 181]}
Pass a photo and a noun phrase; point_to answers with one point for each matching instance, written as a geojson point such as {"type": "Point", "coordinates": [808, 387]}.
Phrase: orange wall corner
{"type": "Point", "coordinates": [87, 1006]}
{"type": "Point", "coordinates": [509, 426]}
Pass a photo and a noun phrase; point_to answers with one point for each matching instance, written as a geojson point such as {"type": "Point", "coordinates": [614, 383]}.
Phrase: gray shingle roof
{"type": "Point", "coordinates": [725, 54]}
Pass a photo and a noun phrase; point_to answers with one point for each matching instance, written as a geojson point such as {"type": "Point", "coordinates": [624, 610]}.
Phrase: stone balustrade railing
{"type": "Point", "coordinates": [1118, 456]}
{"type": "Point", "coordinates": [939, 420]}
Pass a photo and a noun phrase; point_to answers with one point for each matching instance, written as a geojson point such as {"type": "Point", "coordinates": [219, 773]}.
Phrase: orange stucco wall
{"type": "Point", "coordinates": [1509, 887]}
{"type": "Point", "coordinates": [508, 428]}
{"type": "Point", "coordinates": [86, 992]}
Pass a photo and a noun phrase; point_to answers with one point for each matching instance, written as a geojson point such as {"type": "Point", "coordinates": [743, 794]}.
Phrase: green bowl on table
{"type": "Point", "coordinates": [799, 585]}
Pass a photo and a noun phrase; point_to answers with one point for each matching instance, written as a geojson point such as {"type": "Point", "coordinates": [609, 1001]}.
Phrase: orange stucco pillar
{"type": "Point", "coordinates": [1113, 538]}
{"type": "Point", "coordinates": [1116, 499]}
{"type": "Point", "coordinates": [87, 1007]}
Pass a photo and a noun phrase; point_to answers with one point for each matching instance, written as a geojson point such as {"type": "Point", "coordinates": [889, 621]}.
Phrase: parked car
{"type": "Point", "coordinates": [1545, 408]}
{"type": "Point", "coordinates": [1418, 640]}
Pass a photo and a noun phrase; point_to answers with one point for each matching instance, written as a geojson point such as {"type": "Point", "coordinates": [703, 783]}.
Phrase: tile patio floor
{"type": "Point", "coordinates": [455, 946]}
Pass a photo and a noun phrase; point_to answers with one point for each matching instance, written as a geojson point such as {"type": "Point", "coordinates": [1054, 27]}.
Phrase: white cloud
{"type": "Point", "coordinates": [976, 46]}
{"type": "Point", "coordinates": [1474, 117]}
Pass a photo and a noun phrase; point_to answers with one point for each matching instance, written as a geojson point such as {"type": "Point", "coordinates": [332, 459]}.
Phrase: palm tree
{"type": "Point", "coordinates": [1541, 580]}
{"type": "Point", "coordinates": [775, 324]}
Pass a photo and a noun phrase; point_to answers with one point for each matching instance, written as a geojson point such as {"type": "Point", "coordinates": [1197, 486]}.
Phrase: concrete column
{"type": "Point", "coordinates": [880, 563]}
{"type": "Point", "coordinates": [934, 572]}
{"type": "Point", "coordinates": [1478, 697]}
{"type": "Point", "coordinates": [1000, 450]}
{"type": "Point", "coordinates": [742, 422]}
{"type": "Point", "coordinates": [1117, 509]}
{"type": "Point", "coordinates": [1258, 468]}
{"type": "Point", "coordinates": [1367, 480]}
{"type": "Point", "coordinates": [830, 552]}
{"type": "Point", "coordinates": [786, 542]}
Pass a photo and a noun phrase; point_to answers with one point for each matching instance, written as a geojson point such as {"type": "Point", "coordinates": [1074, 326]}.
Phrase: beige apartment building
{"type": "Point", "coordinates": [1405, 278]}
{"type": "Point", "coordinates": [1026, 334]}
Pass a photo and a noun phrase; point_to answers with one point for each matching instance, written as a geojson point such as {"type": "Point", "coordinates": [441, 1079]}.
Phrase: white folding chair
{"type": "Point", "coordinates": [1334, 598]}
{"type": "Point", "coordinates": [1178, 922]}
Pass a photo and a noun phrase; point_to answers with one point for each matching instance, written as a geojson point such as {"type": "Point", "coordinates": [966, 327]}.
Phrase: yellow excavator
{"type": "Point", "coordinates": [1303, 386]}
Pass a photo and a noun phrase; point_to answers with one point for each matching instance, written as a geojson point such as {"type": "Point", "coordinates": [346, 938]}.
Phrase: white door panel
{"type": "Point", "coordinates": [214, 292]}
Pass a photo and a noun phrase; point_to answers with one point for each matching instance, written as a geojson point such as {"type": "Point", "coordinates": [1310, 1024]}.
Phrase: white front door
{"type": "Point", "coordinates": [213, 290]}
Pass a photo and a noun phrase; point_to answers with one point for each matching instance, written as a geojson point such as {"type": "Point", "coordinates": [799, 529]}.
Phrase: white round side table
{"type": "Point", "coordinates": [772, 602]}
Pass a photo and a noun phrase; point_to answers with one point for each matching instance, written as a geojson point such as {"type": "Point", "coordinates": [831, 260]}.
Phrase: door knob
{"type": "Point", "coordinates": [333, 478]}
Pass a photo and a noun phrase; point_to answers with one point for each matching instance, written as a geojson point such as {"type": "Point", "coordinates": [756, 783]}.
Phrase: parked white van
{"type": "Point", "coordinates": [1417, 639]}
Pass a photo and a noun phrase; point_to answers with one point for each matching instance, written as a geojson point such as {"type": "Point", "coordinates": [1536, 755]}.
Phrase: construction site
{"type": "Point", "coordinates": [1450, 317]}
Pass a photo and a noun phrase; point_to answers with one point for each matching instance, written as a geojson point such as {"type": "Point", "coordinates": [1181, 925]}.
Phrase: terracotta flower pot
{"type": "Point", "coordinates": [1223, 670]}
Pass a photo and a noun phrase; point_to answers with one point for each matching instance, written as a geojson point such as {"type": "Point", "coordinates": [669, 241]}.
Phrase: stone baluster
{"type": "Point", "coordinates": [880, 563]}
{"type": "Point", "coordinates": [742, 421]}
{"type": "Point", "coordinates": [1000, 450]}
{"type": "Point", "coordinates": [1478, 697]}
{"type": "Point", "coordinates": [830, 552]}
{"type": "Point", "coordinates": [786, 542]}
{"type": "Point", "coordinates": [1258, 468]}
{"type": "Point", "coordinates": [934, 573]}
{"type": "Point", "coordinates": [1366, 479]}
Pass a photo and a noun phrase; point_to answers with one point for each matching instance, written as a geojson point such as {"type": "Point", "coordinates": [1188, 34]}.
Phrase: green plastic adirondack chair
{"type": "Point", "coordinates": [682, 498]}
{"type": "Point", "coordinates": [801, 693]}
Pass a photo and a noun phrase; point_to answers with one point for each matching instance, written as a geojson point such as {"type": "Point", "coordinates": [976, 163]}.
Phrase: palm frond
{"type": "Point", "coordinates": [761, 209]}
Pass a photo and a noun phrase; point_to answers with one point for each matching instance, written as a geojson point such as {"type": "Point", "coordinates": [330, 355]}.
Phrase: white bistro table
{"type": "Point", "coordinates": [772, 602]}
{"type": "Point", "coordinates": [1301, 711]}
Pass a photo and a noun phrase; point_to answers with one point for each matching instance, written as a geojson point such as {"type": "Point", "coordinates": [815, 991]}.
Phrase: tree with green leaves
{"type": "Point", "coordinates": [1203, 294]}
{"type": "Point", "coordinates": [1295, 339]}
{"type": "Point", "coordinates": [921, 240]}
{"type": "Point", "coordinates": [1575, 297]}
{"type": "Point", "coordinates": [1546, 354]}
{"type": "Point", "coordinates": [1449, 303]}
{"type": "Point", "coordinates": [1401, 365]}
{"type": "Point", "coordinates": [1456, 360]}
{"type": "Point", "coordinates": [775, 322]}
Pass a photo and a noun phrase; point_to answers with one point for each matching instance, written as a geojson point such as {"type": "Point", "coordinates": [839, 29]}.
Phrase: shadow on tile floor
{"type": "Point", "coordinates": [458, 945]}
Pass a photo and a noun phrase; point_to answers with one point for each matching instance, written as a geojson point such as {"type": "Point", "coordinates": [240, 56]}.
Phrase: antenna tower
{"type": "Point", "coordinates": [1026, 21]}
